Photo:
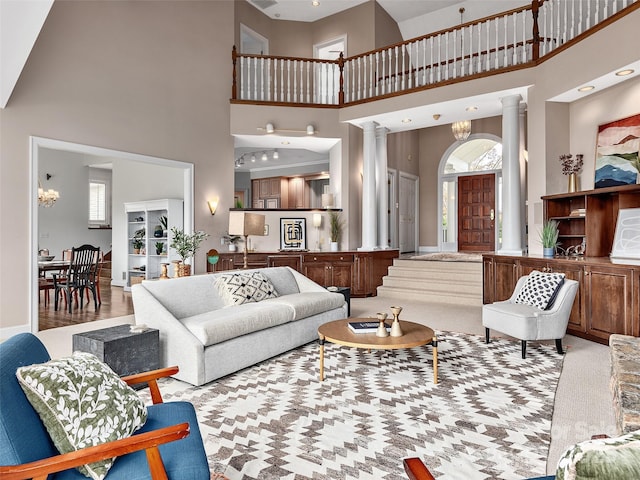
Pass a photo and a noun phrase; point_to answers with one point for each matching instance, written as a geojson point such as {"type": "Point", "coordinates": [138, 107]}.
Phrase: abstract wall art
{"type": "Point", "coordinates": [617, 162]}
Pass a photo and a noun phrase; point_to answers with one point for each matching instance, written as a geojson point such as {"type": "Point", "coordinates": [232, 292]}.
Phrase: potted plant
{"type": "Point", "coordinates": [159, 248]}
{"type": "Point", "coordinates": [186, 246]}
{"type": "Point", "coordinates": [232, 241]}
{"type": "Point", "coordinates": [138, 240]}
{"type": "Point", "coordinates": [335, 226]}
{"type": "Point", "coordinates": [549, 237]}
{"type": "Point", "coordinates": [163, 224]}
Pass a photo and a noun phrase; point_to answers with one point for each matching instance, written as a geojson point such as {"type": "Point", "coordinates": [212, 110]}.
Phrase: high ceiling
{"type": "Point", "coordinates": [305, 11]}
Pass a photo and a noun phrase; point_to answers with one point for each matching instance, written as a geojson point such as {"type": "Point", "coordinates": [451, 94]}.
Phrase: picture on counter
{"type": "Point", "coordinates": [293, 234]}
{"type": "Point", "coordinates": [617, 160]}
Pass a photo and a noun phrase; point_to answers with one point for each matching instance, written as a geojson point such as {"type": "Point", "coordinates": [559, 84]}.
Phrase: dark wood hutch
{"type": "Point", "coordinates": [608, 299]}
{"type": "Point", "coordinates": [361, 271]}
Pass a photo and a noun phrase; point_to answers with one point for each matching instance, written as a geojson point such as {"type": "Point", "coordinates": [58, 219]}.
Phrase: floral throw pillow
{"type": "Point", "coordinates": [82, 403]}
{"type": "Point", "coordinates": [239, 288]}
{"type": "Point", "coordinates": [607, 458]}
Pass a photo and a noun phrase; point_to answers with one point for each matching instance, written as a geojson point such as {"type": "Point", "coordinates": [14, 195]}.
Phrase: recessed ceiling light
{"type": "Point", "coordinates": [622, 73]}
{"type": "Point", "coordinates": [406, 120]}
{"type": "Point", "coordinates": [471, 109]}
{"type": "Point", "coordinates": [586, 88]}
{"type": "Point", "coordinates": [315, 3]}
{"type": "Point", "coordinates": [285, 142]}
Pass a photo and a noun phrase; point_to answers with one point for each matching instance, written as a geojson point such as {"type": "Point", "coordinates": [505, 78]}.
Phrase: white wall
{"type": "Point", "coordinates": [587, 114]}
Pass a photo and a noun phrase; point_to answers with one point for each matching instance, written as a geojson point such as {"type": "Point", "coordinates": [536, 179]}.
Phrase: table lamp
{"type": "Point", "coordinates": [245, 224]}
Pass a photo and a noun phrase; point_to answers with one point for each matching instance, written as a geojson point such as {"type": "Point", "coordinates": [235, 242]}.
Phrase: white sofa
{"type": "Point", "coordinates": [209, 339]}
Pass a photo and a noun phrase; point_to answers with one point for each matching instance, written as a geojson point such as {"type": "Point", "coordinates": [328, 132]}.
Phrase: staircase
{"type": "Point", "coordinates": [457, 283]}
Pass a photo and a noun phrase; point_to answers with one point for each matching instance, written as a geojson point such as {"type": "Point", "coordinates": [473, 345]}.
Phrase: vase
{"type": "Point", "coordinates": [334, 246]}
{"type": "Point", "coordinates": [573, 182]}
{"type": "Point", "coordinates": [548, 252]}
{"type": "Point", "coordinates": [232, 247]}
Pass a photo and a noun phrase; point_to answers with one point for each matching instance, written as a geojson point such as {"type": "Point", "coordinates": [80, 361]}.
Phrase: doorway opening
{"type": "Point", "coordinates": [41, 158]}
{"type": "Point", "coordinates": [470, 195]}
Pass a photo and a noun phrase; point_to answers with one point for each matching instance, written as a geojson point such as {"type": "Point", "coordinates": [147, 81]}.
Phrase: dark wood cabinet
{"type": "Point", "coordinates": [362, 272]}
{"type": "Point", "coordinates": [328, 269]}
{"type": "Point", "coordinates": [609, 301]}
{"type": "Point", "coordinates": [608, 295]}
{"type": "Point", "coordinates": [590, 216]}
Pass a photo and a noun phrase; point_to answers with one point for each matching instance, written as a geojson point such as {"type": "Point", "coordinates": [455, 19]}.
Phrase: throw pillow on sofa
{"type": "Point", "coordinates": [239, 288]}
{"type": "Point", "coordinates": [82, 403]}
{"type": "Point", "coordinates": [611, 458]}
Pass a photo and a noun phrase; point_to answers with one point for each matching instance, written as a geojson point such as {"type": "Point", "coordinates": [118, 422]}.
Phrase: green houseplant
{"type": "Point", "coordinates": [186, 245]}
{"type": "Point", "coordinates": [336, 222]}
{"type": "Point", "coordinates": [549, 237]}
{"type": "Point", "coordinates": [138, 239]}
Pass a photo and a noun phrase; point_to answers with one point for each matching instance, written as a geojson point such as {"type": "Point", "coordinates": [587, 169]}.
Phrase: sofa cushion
{"type": "Point", "coordinates": [540, 289]}
{"type": "Point", "coordinates": [227, 323]}
{"type": "Point", "coordinates": [282, 279]}
{"type": "Point", "coordinates": [239, 288]}
{"type": "Point", "coordinates": [611, 458]}
{"type": "Point", "coordinates": [82, 403]}
{"type": "Point", "coordinates": [307, 304]}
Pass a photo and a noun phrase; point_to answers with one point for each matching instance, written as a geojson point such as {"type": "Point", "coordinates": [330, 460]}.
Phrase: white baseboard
{"type": "Point", "coordinates": [427, 249]}
{"type": "Point", "coordinates": [8, 332]}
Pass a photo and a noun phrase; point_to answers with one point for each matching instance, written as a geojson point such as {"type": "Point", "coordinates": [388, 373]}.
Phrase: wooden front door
{"type": "Point", "coordinates": [476, 213]}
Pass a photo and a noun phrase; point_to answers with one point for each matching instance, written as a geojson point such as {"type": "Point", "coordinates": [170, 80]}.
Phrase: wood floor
{"type": "Point", "coordinates": [115, 303]}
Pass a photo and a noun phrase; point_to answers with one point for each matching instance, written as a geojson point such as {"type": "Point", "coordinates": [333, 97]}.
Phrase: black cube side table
{"type": "Point", "coordinates": [346, 293]}
{"type": "Point", "coordinates": [126, 352]}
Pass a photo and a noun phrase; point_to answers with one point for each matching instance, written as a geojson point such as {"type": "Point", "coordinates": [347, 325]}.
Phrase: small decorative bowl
{"type": "Point", "coordinates": [45, 258]}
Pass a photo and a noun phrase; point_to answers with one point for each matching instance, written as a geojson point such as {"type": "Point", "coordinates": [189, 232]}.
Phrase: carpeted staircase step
{"type": "Point", "coordinates": [434, 281]}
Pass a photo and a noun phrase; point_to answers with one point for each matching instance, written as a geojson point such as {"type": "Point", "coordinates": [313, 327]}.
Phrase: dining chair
{"type": "Point", "coordinates": [81, 276]}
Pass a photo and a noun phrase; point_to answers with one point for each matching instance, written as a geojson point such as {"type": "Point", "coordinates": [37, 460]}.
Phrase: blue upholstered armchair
{"type": "Point", "coordinates": [168, 445]}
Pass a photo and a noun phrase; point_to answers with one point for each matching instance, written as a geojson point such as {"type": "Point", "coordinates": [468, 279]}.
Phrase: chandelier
{"type": "Point", "coordinates": [46, 198]}
{"type": "Point", "coordinates": [461, 130]}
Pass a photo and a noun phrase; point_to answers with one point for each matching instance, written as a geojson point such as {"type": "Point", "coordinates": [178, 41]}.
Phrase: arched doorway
{"type": "Point", "coordinates": [470, 195]}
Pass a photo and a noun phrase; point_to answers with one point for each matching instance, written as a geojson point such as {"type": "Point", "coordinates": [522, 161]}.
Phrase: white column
{"type": "Point", "coordinates": [523, 176]}
{"type": "Point", "coordinates": [382, 190]}
{"type": "Point", "coordinates": [369, 187]}
{"type": "Point", "coordinates": [511, 189]}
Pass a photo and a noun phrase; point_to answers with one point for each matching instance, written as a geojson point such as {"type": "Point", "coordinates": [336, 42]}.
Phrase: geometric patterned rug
{"type": "Point", "coordinates": [489, 417]}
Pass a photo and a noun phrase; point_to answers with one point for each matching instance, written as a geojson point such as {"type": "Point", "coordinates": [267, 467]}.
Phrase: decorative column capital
{"type": "Point", "coordinates": [511, 100]}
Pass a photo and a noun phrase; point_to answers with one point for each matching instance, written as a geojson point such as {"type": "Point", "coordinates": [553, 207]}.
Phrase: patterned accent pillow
{"type": "Point", "coordinates": [82, 403]}
{"type": "Point", "coordinates": [540, 289]}
{"type": "Point", "coordinates": [611, 458]}
{"type": "Point", "coordinates": [239, 288]}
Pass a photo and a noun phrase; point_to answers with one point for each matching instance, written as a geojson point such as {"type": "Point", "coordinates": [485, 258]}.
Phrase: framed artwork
{"type": "Point", "coordinates": [617, 146]}
{"type": "Point", "coordinates": [293, 234]}
{"type": "Point", "coordinates": [626, 242]}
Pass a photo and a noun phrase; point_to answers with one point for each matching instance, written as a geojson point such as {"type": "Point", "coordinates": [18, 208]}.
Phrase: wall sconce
{"type": "Point", "coordinates": [213, 205]}
{"type": "Point", "coordinates": [317, 222]}
{"type": "Point", "coordinates": [310, 130]}
{"type": "Point", "coordinates": [270, 128]}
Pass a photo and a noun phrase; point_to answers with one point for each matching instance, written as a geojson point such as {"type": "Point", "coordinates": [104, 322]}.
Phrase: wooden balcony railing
{"type": "Point", "coordinates": [517, 38]}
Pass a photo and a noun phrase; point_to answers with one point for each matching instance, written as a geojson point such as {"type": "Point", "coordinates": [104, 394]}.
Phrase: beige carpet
{"type": "Point", "coordinates": [449, 257]}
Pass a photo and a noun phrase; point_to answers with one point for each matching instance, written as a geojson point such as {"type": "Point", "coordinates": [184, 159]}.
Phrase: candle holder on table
{"type": "Point", "coordinates": [396, 331]}
{"type": "Point", "coordinates": [382, 329]}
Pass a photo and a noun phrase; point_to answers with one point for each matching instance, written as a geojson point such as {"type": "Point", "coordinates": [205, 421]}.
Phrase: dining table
{"type": "Point", "coordinates": [52, 265]}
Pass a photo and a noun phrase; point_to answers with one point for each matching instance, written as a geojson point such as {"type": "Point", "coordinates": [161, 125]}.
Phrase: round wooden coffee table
{"type": "Point", "coordinates": [414, 335]}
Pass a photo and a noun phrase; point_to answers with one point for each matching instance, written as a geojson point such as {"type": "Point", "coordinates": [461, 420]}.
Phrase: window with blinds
{"type": "Point", "coordinates": [98, 204]}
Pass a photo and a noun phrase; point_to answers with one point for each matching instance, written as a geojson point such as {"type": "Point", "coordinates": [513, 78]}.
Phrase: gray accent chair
{"type": "Point", "coordinates": [526, 322]}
